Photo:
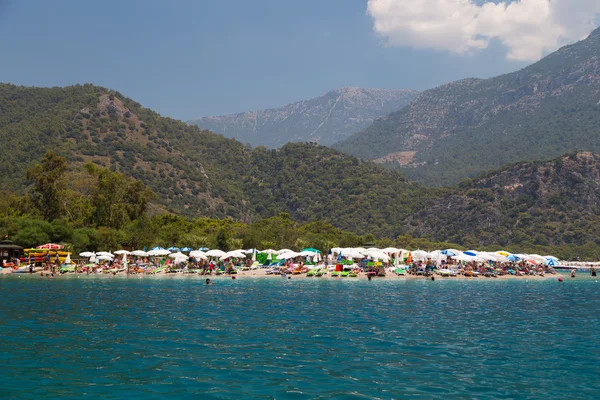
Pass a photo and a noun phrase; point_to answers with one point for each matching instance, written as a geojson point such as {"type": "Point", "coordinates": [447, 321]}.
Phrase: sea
{"type": "Point", "coordinates": [176, 337]}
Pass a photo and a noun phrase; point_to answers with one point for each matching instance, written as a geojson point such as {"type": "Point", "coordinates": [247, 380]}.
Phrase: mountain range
{"type": "Point", "coordinates": [325, 119]}
{"type": "Point", "coordinates": [198, 173]}
{"type": "Point", "coordinates": [466, 127]}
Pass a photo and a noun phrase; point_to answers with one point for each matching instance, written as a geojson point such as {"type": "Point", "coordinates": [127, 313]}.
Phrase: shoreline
{"type": "Point", "coordinates": [261, 274]}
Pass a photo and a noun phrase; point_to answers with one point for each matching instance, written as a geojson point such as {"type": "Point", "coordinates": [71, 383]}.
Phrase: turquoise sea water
{"type": "Point", "coordinates": [270, 338]}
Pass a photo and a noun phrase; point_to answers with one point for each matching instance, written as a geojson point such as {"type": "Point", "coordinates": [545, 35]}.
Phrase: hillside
{"type": "Point", "coordinates": [544, 203]}
{"type": "Point", "coordinates": [194, 172]}
{"type": "Point", "coordinates": [325, 120]}
{"type": "Point", "coordinates": [464, 128]}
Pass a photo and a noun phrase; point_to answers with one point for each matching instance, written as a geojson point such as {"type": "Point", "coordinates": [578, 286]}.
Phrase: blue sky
{"type": "Point", "coordinates": [186, 59]}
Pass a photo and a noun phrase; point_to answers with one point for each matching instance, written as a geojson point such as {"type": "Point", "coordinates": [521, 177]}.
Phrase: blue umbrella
{"type": "Point", "coordinates": [173, 249]}
{"type": "Point", "coordinates": [340, 256]}
{"type": "Point", "coordinates": [513, 258]}
{"type": "Point", "coordinates": [156, 248]}
{"type": "Point", "coordinates": [552, 262]}
{"type": "Point", "coordinates": [203, 248]}
{"type": "Point", "coordinates": [471, 253]}
{"type": "Point", "coordinates": [186, 249]}
{"type": "Point", "coordinates": [449, 253]}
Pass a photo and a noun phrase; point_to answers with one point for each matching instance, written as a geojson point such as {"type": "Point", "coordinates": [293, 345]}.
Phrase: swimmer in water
{"type": "Point", "coordinates": [572, 273]}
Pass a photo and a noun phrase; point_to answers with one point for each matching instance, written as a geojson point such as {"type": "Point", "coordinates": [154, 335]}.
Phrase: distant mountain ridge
{"type": "Point", "coordinates": [463, 128]}
{"type": "Point", "coordinates": [325, 119]}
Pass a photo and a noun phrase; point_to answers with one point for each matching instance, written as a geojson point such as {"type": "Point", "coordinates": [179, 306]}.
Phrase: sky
{"type": "Point", "coordinates": [186, 58]}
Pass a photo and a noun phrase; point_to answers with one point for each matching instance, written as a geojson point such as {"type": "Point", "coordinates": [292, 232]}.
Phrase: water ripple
{"type": "Point", "coordinates": [156, 338]}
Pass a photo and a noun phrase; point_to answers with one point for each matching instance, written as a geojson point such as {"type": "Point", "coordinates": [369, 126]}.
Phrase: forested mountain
{"type": "Point", "coordinates": [194, 172]}
{"type": "Point", "coordinates": [325, 120]}
{"type": "Point", "coordinates": [463, 128]}
{"type": "Point", "coordinates": [535, 203]}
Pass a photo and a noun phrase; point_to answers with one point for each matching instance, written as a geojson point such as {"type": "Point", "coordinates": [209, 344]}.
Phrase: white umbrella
{"type": "Point", "coordinates": [391, 250]}
{"type": "Point", "coordinates": [420, 255]}
{"type": "Point", "coordinates": [283, 251]}
{"type": "Point", "coordinates": [198, 254]}
{"type": "Point", "coordinates": [93, 258]}
{"type": "Point", "coordinates": [122, 252]}
{"type": "Point", "coordinates": [86, 254]}
{"type": "Point", "coordinates": [215, 253]}
{"type": "Point", "coordinates": [139, 253]}
{"type": "Point", "coordinates": [68, 259]}
{"type": "Point", "coordinates": [269, 251]}
{"type": "Point", "coordinates": [159, 252]}
{"type": "Point", "coordinates": [105, 253]}
{"type": "Point", "coordinates": [104, 257]}
{"type": "Point", "coordinates": [289, 254]}
{"type": "Point", "coordinates": [178, 255]}
{"type": "Point", "coordinates": [537, 257]}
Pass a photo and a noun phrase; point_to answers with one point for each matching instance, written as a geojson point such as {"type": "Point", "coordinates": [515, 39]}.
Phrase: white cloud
{"type": "Point", "coordinates": [527, 28]}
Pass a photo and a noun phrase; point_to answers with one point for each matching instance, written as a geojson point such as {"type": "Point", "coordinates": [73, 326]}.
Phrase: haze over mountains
{"type": "Point", "coordinates": [463, 128]}
{"type": "Point", "coordinates": [325, 119]}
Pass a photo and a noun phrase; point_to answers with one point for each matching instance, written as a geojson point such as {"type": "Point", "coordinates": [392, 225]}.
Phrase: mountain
{"type": "Point", "coordinates": [325, 120]}
{"type": "Point", "coordinates": [197, 173]}
{"type": "Point", "coordinates": [463, 128]}
{"type": "Point", "coordinates": [551, 203]}
{"type": "Point", "coordinates": [194, 172]}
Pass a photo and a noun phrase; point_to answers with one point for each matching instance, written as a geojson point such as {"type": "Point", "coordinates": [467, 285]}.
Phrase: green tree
{"type": "Point", "coordinates": [48, 184]}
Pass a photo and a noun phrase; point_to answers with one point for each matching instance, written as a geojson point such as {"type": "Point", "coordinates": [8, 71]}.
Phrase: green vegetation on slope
{"type": "Point", "coordinates": [466, 127]}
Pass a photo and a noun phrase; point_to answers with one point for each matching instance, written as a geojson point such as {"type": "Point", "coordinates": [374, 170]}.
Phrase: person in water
{"type": "Point", "coordinates": [592, 271]}
{"type": "Point", "coordinates": [573, 273]}
{"type": "Point", "coordinates": [208, 281]}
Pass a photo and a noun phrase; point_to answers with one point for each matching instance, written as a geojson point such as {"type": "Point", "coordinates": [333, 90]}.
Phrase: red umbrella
{"type": "Point", "coordinates": [50, 246]}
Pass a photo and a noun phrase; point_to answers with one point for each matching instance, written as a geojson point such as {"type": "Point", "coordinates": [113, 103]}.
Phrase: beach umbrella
{"type": "Point", "coordinates": [86, 254]}
{"type": "Point", "coordinates": [159, 252]}
{"type": "Point", "coordinates": [172, 248]}
{"type": "Point", "coordinates": [503, 253]}
{"type": "Point", "coordinates": [537, 258]}
{"type": "Point", "coordinates": [269, 251]}
{"type": "Point", "coordinates": [420, 255]}
{"type": "Point", "coordinates": [288, 255]}
{"type": "Point", "coordinates": [105, 253]}
{"type": "Point", "coordinates": [157, 248]}
{"type": "Point", "coordinates": [215, 253]}
{"type": "Point", "coordinates": [472, 253]}
{"type": "Point", "coordinates": [186, 249]}
{"type": "Point", "coordinates": [311, 249]}
{"type": "Point", "coordinates": [50, 246]}
{"type": "Point", "coordinates": [283, 251]}
{"type": "Point", "coordinates": [68, 259]}
{"type": "Point", "coordinates": [93, 258]}
{"type": "Point", "coordinates": [391, 250]}
{"type": "Point", "coordinates": [178, 255]}
{"type": "Point", "coordinates": [269, 256]}
{"type": "Point", "coordinates": [513, 258]}
{"type": "Point", "coordinates": [103, 258]}
{"type": "Point", "coordinates": [198, 254]}
{"type": "Point", "coordinates": [121, 252]}
{"type": "Point", "coordinates": [449, 252]}
{"type": "Point", "coordinates": [552, 262]}
{"type": "Point", "coordinates": [139, 253]}
{"type": "Point", "coordinates": [203, 248]}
